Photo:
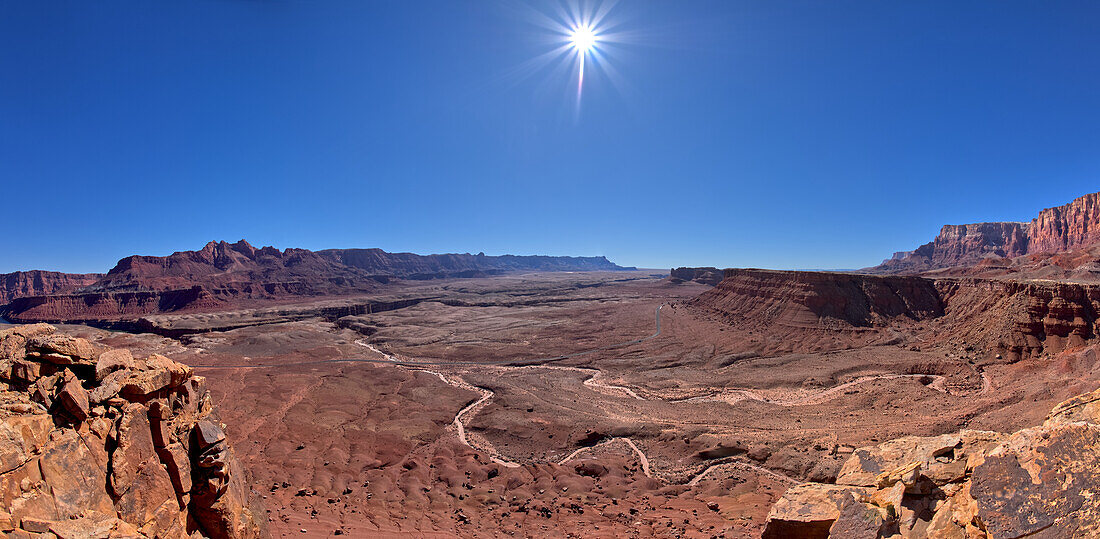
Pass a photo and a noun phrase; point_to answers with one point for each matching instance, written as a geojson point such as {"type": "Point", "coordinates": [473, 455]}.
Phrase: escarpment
{"type": "Point", "coordinates": [37, 283]}
{"type": "Point", "coordinates": [834, 310]}
{"type": "Point", "coordinates": [97, 443]}
{"type": "Point", "coordinates": [1071, 227]}
{"type": "Point", "coordinates": [707, 275]}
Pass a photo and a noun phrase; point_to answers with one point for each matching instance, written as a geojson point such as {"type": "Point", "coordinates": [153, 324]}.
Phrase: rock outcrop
{"type": "Point", "coordinates": [1036, 482]}
{"type": "Point", "coordinates": [97, 443]}
{"type": "Point", "coordinates": [707, 276]}
{"type": "Point", "coordinates": [223, 276]}
{"type": "Point", "coordinates": [1071, 227]}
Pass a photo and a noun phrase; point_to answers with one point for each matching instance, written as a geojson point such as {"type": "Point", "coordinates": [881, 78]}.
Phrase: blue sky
{"type": "Point", "coordinates": [733, 133]}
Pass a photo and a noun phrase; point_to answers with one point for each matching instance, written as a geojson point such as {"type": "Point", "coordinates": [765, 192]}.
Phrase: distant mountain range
{"type": "Point", "coordinates": [222, 274]}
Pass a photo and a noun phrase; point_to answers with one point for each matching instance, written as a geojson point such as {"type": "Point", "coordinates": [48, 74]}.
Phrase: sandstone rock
{"type": "Point", "coordinates": [44, 389]}
{"type": "Point", "coordinates": [75, 473]}
{"type": "Point", "coordinates": [108, 387]}
{"type": "Point", "coordinates": [36, 525]}
{"type": "Point", "coordinates": [1080, 408]}
{"type": "Point", "coordinates": [22, 436]}
{"type": "Point", "coordinates": [73, 397]}
{"type": "Point", "coordinates": [207, 433]}
{"type": "Point", "coordinates": [907, 474]}
{"type": "Point", "coordinates": [93, 526]}
{"type": "Point", "coordinates": [178, 372]}
{"type": "Point", "coordinates": [857, 520]}
{"type": "Point", "coordinates": [64, 349]}
{"type": "Point", "coordinates": [1041, 479]}
{"type": "Point", "coordinates": [938, 456]}
{"type": "Point", "coordinates": [135, 448]}
{"type": "Point", "coordinates": [150, 489]}
{"type": "Point", "coordinates": [808, 510]}
{"type": "Point", "coordinates": [140, 385]}
{"type": "Point", "coordinates": [26, 371]}
{"type": "Point", "coordinates": [100, 476]}
{"type": "Point", "coordinates": [178, 465]}
{"type": "Point", "coordinates": [111, 361]}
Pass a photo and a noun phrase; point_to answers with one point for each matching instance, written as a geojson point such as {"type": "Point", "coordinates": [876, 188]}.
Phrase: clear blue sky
{"type": "Point", "coordinates": [735, 133]}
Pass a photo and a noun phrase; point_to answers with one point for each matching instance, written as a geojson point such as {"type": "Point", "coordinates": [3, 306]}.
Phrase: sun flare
{"type": "Point", "coordinates": [583, 38]}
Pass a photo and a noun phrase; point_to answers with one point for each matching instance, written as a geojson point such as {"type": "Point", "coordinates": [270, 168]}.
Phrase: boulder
{"type": "Point", "coordinates": [63, 349]}
{"type": "Point", "coordinates": [111, 361]}
{"type": "Point", "coordinates": [72, 397]}
{"type": "Point", "coordinates": [108, 387]}
{"type": "Point", "coordinates": [178, 372]}
{"type": "Point", "coordinates": [141, 385]}
{"type": "Point", "coordinates": [809, 510]}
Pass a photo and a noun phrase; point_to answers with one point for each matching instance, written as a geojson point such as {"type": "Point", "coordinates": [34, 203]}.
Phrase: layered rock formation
{"type": "Point", "coordinates": [707, 276]}
{"type": "Point", "coordinates": [1071, 227]}
{"type": "Point", "coordinates": [834, 310]}
{"type": "Point", "coordinates": [37, 283]}
{"type": "Point", "coordinates": [97, 443]}
{"type": "Point", "coordinates": [1036, 482]}
{"type": "Point", "coordinates": [805, 299]}
{"type": "Point", "coordinates": [223, 275]}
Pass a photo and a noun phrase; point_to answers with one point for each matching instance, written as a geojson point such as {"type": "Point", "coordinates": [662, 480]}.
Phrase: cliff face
{"type": "Point", "coordinates": [1068, 227]}
{"type": "Point", "coordinates": [709, 276]}
{"type": "Point", "coordinates": [821, 311]}
{"type": "Point", "coordinates": [225, 275]}
{"type": "Point", "coordinates": [97, 443]}
{"type": "Point", "coordinates": [819, 299]}
{"type": "Point", "coordinates": [36, 283]}
{"type": "Point", "coordinates": [1065, 228]}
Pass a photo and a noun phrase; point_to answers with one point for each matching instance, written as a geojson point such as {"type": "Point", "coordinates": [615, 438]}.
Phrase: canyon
{"type": "Point", "coordinates": [243, 392]}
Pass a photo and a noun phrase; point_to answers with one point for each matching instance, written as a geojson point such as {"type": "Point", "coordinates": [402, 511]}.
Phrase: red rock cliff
{"type": "Point", "coordinates": [36, 283]}
{"type": "Point", "coordinates": [1065, 228]}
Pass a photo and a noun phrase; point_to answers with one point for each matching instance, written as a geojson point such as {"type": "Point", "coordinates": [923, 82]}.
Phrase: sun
{"type": "Point", "coordinates": [583, 38]}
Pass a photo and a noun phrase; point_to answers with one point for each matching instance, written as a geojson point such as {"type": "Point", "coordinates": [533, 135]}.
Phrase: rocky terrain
{"type": "Point", "coordinates": [97, 443]}
{"type": "Point", "coordinates": [1014, 248]}
{"type": "Point", "coordinates": [1035, 482]}
{"type": "Point", "coordinates": [223, 276]}
{"type": "Point", "coordinates": [488, 400]}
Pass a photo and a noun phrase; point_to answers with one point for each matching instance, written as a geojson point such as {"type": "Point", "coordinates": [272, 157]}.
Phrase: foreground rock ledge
{"type": "Point", "coordinates": [1040, 482]}
{"type": "Point", "coordinates": [96, 443]}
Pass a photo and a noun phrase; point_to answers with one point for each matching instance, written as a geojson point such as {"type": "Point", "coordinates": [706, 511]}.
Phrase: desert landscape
{"type": "Point", "coordinates": [706, 269]}
{"type": "Point", "coordinates": [571, 397]}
